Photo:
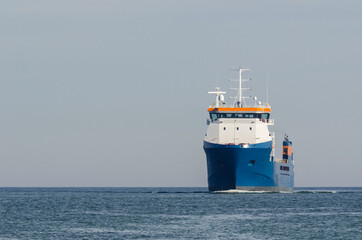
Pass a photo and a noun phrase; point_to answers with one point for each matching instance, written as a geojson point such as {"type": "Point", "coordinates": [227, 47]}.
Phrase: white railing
{"type": "Point", "coordinates": [233, 106]}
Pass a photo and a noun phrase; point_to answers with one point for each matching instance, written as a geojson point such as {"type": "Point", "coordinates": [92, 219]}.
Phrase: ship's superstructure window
{"type": "Point", "coordinates": [250, 115]}
{"type": "Point", "coordinates": [264, 116]}
{"type": "Point", "coordinates": [284, 168]}
{"type": "Point", "coordinates": [261, 116]}
{"type": "Point", "coordinates": [213, 117]}
{"type": "Point", "coordinates": [224, 128]}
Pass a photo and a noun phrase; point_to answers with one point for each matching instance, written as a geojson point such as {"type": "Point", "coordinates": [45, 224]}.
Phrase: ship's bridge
{"type": "Point", "coordinates": [239, 125]}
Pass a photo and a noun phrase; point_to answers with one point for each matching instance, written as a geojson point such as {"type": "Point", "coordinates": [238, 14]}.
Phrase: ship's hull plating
{"type": "Point", "coordinates": [246, 167]}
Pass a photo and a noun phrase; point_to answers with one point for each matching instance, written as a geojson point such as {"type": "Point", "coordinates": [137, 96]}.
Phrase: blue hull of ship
{"type": "Point", "coordinates": [251, 168]}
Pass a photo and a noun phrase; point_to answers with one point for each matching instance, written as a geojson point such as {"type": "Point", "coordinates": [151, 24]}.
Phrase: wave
{"type": "Point", "coordinates": [236, 191]}
{"type": "Point", "coordinates": [314, 191]}
{"type": "Point", "coordinates": [177, 190]}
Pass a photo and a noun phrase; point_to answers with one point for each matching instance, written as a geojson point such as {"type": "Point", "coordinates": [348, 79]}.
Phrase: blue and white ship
{"type": "Point", "coordinates": [240, 148]}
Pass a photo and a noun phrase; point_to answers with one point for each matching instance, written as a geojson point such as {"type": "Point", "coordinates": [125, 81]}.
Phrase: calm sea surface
{"type": "Point", "coordinates": [179, 213]}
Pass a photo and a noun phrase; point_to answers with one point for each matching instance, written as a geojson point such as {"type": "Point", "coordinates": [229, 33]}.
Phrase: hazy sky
{"type": "Point", "coordinates": [114, 93]}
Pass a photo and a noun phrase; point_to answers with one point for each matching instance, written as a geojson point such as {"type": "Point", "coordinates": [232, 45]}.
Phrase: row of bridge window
{"type": "Point", "coordinates": [262, 116]}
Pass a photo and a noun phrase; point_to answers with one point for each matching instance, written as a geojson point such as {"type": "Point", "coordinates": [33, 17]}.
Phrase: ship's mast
{"type": "Point", "coordinates": [240, 98]}
{"type": "Point", "coordinates": [240, 82]}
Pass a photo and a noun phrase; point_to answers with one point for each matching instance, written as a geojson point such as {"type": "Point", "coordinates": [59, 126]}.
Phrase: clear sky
{"type": "Point", "coordinates": [114, 93]}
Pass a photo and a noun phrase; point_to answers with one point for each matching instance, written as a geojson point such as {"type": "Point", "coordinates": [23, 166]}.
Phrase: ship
{"type": "Point", "coordinates": [240, 149]}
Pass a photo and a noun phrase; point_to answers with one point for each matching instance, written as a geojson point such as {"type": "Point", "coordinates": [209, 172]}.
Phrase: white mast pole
{"type": "Point", "coordinates": [240, 89]}
{"type": "Point", "coordinates": [267, 87]}
{"type": "Point", "coordinates": [217, 98]}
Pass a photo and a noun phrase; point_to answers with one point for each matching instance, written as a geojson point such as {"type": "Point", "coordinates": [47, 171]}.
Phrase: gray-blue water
{"type": "Point", "coordinates": [179, 213]}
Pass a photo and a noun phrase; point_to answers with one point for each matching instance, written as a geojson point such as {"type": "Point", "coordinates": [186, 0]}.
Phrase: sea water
{"type": "Point", "coordinates": [179, 213]}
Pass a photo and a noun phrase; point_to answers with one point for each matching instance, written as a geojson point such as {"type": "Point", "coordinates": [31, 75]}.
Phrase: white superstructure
{"type": "Point", "coordinates": [239, 123]}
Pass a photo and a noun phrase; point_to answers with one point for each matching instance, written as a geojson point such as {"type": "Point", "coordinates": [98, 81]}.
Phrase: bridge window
{"type": "Point", "coordinates": [213, 117]}
{"type": "Point", "coordinates": [264, 116]}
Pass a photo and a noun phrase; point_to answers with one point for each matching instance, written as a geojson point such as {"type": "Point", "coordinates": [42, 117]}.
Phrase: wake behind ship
{"type": "Point", "coordinates": [240, 149]}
